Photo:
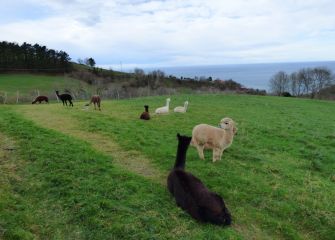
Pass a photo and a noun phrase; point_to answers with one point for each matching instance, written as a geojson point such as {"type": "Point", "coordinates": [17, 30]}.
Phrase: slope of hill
{"type": "Point", "coordinates": [101, 175]}
{"type": "Point", "coordinates": [29, 85]}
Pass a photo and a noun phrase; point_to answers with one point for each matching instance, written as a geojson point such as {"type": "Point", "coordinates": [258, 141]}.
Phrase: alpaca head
{"type": "Point", "coordinates": [184, 140]}
{"type": "Point", "coordinates": [216, 212]}
{"type": "Point", "coordinates": [228, 124]}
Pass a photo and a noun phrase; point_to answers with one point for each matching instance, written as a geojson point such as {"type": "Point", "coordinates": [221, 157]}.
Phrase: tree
{"type": "Point", "coordinates": [90, 62]}
{"type": "Point", "coordinates": [279, 83]}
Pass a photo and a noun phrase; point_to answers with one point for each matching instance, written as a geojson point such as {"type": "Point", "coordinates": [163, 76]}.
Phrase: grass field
{"type": "Point", "coordinates": [28, 83]}
{"type": "Point", "coordinates": [67, 173]}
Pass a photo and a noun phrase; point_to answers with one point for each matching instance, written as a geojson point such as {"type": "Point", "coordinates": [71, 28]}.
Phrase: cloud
{"type": "Point", "coordinates": [162, 33]}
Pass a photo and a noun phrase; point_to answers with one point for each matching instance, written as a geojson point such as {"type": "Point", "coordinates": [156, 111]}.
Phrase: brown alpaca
{"type": "Point", "coordinates": [41, 99]}
{"type": "Point", "coordinates": [145, 115]}
{"type": "Point", "coordinates": [95, 99]}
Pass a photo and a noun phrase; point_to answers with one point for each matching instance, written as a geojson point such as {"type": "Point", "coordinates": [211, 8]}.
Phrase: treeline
{"type": "Point", "coordinates": [154, 81]}
{"type": "Point", "coordinates": [36, 58]}
{"type": "Point", "coordinates": [305, 82]}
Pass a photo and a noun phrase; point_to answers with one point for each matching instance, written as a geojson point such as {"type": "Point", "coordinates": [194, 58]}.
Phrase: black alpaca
{"type": "Point", "coordinates": [191, 194]}
{"type": "Point", "coordinates": [65, 97]}
{"type": "Point", "coordinates": [145, 115]}
{"type": "Point", "coordinates": [41, 99]}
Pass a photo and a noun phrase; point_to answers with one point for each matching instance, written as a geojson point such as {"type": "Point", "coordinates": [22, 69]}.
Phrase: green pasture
{"type": "Point", "coordinates": [30, 83]}
{"type": "Point", "coordinates": [77, 173]}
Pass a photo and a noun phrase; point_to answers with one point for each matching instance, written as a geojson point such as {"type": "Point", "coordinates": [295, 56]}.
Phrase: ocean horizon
{"type": "Point", "coordinates": [255, 75]}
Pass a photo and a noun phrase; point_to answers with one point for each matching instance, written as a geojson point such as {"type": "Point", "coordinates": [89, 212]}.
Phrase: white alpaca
{"type": "Point", "coordinates": [181, 109]}
{"type": "Point", "coordinates": [163, 109]}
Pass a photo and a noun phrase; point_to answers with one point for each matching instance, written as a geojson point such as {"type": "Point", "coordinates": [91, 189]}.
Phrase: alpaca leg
{"type": "Point", "coordinates": [201, 152]}
{"type": "Point", "coordinates": [99, 106]}
{"type": "Point", "coordinates": [71, 104]}
{"type": "Point", "coordinates": [220, 156]}
{"type": "Point", "coordinates": [216, 154]}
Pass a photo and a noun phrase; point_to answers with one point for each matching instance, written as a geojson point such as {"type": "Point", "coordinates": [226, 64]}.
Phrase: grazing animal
{"type": "Point", "coordinates": [145, 115]}
{"type": "Point", "coordinates": [209, 137]}
{"type": "Point", "coordinates": [40, 99]}
{"type": "Point", "coordinates": [65, 97]}
{"type": "Point", "coordinates": [164, 109]}
{"type": "Point", "coordinates": [96, 100]}
{"type": "Point", "coordinates": [181, 109]}
{"type": "Point", "coordinates": [191, 194]}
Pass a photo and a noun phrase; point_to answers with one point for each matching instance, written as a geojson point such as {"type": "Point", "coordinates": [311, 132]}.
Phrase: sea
{"type": "Point", "coordinates": [255, 76]}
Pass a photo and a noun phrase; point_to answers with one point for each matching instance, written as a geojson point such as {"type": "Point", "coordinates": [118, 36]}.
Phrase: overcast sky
{"type": "Point", "coordinates": [146, 33]}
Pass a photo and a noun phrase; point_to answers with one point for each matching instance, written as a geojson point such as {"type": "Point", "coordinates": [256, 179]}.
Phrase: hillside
{"type": "Point", "coordinates": [29, 85]}
{"type": "Point", "coordinates": [80, 174]}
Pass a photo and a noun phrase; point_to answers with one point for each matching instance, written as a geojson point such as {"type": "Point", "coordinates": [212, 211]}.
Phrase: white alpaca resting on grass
{"type": "Point", "coordinates": [164, 109]}
{"type": "Point", "coordinates": [181, 109]}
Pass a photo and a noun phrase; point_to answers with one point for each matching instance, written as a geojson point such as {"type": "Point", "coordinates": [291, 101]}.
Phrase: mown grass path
{"type": "Point", "coordinates": [133, 161]}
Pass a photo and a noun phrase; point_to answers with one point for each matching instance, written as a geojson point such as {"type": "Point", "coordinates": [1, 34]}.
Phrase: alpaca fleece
{"type": "Point", "coordinates": [145, 115]}
{"type": "Point", "coordinates": [65, 97]}
{"type": "Point", "coordinates": [41, 99]}
{"type": "Point", "coordinates": [96, 100]}
{"type": "Point", "coordinates": [191, 194]}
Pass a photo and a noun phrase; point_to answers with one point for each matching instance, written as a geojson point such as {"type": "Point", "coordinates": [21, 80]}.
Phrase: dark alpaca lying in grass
{"type": "Point", "coordinates": [65, 97]}
{"type": "Point", "coordinates": [145, 115]}
{"type": "Point", "coordinates": [191, 194]}
{"type": "Point", "coordinates": [41, 99]}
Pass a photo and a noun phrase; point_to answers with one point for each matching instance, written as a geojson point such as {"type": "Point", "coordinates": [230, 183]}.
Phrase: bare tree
{"type": "Point", "coordinates": [279, 83]}
{"type": "Point", "coordinates": [322, 78]}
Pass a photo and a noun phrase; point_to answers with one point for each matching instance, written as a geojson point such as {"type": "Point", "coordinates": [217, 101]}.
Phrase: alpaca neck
{"type": "Point", "coordinates": [181, 155]}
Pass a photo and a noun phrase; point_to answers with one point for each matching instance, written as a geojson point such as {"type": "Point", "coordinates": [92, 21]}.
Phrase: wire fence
{"type": "Point", "coordinates": [80, 94]}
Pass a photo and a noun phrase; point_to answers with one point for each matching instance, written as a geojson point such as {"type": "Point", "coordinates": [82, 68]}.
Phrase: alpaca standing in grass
{"type": "Point", "coordinates": [41, 99]}
{"type": "Point", "coordinates": [191, 194]}
{"type": "Point", "coordinates": [145, 115]}
{"type": "Point", "coordinates": [205, 136]}
{"type": "Point", "coordinates": [65, 97]}
{"type": "Point", "coordinates": [164, 109]}
{"type": "Point", "coordinates": [181, 109]}
{"type": "Point", "coordinates": [96, 100]}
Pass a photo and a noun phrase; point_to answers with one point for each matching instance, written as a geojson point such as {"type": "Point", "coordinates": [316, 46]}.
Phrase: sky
{"type": "Point", "coordinates": [154, 33]}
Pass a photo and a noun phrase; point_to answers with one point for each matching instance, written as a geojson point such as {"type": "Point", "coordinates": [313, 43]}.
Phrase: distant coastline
{"type": "Point", "coordinates": [256, 75]}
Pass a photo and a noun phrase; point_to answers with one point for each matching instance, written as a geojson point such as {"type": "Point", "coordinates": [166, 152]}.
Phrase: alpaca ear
{"type": "Point", "coordinates": [235, 130]}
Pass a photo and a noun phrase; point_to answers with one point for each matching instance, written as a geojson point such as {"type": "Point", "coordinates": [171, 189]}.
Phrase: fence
{"type": "Point", "coordinates": [115, 93]}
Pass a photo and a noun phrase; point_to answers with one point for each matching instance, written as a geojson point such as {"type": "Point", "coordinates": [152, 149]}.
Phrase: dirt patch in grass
{"type": "Point", "coordinates": [130, 160]}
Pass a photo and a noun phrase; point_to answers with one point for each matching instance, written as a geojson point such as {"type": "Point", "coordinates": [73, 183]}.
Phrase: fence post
{"type": "Point", "coordinates": [17, 97]}
{"type": "Point", "coordinates": [5, 98]}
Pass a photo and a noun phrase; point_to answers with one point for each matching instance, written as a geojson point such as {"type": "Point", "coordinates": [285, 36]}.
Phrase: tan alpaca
{"type": "Point", "coordinates": [216, 138]}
